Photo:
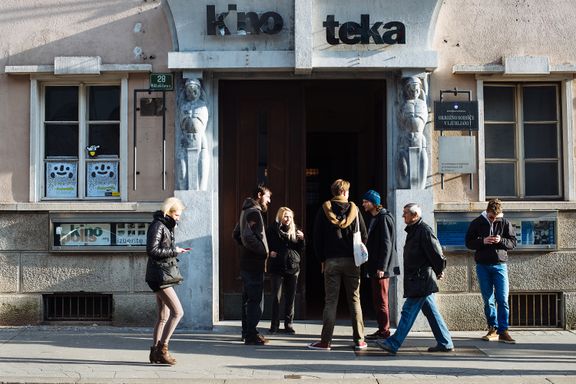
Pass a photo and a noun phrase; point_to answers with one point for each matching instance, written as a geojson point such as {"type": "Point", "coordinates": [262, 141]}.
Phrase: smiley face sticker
{"type": "Point", "coordinates": [102, 179]}
{"type": "Point", "coordinates": [61, 179]}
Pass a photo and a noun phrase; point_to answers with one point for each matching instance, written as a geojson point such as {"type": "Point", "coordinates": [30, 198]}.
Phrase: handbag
{"type": "Point", "coordinates": [360, 250]}
{"type": "Point", "coordinates": [170, 274]}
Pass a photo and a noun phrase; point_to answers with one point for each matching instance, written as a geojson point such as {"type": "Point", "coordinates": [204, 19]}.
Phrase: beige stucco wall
{"type": "Point", "coordinates": [34, 34]}
{"type": "Point", "coordinates": [482, 32]}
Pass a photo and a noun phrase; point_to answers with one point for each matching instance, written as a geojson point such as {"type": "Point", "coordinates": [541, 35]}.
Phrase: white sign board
{"type": "Point", "coordinates": [457, 154]}
{"type": "Point", "coordinates": [131, 233]}
{"type": "Point", "coordinates": [72, 234]}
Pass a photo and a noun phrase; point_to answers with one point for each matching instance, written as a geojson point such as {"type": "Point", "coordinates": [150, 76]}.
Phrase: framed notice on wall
{"type": "Point", "coordinates": [99, 232]}
{"type": "Point", "coordinates": [534, 230]}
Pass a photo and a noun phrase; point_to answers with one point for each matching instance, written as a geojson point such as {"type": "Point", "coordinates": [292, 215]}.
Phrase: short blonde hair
{"type": "Point", "coordinates": [172, 204]}
{"type": "Point", "coordinates": [339, 186]}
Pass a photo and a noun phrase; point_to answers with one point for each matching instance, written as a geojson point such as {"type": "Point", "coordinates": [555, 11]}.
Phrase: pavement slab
{"type": "Point", "coordinates": [99, 354]}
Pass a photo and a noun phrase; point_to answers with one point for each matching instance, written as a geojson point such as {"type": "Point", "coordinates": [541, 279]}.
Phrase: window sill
{"type": "Point", "coordinates": [85, 206]}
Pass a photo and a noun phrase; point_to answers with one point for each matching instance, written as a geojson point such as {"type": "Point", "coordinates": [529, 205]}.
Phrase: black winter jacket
{"type": "Point", "coordinates": [422, 251]}
{"type": "Point", "coordinates": [288, 251]}
{"type": "Point", "coordinates": [162, 264]}
{"type": "Point", "coordinates": [490, 254]}
{"type": "Point", "coordinates": [381, 244]}
{"type": "Point", "coordinates": [250, 233]}
{"type": "Point", "coordinates": [331, 241]}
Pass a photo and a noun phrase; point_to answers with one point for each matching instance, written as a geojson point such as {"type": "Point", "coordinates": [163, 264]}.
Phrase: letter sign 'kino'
{"type": "Point", "coordinates": [233, 22]}
{"type": "Point", "coordinates": [353, 33]}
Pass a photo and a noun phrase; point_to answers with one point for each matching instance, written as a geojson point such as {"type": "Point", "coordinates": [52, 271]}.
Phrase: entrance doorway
{"type": "Point", "coordinates": [297, 137]}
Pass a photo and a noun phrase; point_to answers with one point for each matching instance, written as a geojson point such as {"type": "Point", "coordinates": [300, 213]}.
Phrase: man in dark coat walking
{"type": "Point", "coordinates": [423, 264]}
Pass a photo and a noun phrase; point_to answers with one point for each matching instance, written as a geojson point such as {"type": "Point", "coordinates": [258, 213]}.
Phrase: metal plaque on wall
{"type": "Point", "coordinates": [457, 154]}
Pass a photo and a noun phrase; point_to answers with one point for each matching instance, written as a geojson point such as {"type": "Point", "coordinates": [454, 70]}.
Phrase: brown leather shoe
{"type": "Point", "coordinates": [505, 337]}
{"type": "Point", "coordinates": [163, 356]}
{"type": "Point", "coordinates": [492, 335]}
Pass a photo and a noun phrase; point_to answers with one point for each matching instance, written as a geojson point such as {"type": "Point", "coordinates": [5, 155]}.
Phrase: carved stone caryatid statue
{"type": "Point", "coordinates": [193, 118]}
{"type": "Point", "coordinates": [412, 118]}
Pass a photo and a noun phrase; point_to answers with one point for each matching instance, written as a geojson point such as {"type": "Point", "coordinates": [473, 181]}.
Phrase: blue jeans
{"type": "Point", "coordinates": [493, 281]}
{"type": "Point", "coordinates": [252, 302]}
{"type": "Point", "coordinates": [410, 310]}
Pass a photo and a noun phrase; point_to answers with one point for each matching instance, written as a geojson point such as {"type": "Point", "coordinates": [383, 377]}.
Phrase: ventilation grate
{"type": "Point", "coordinates": [77, 306]}
{"type": "Point", "coordinates": [540, 309]}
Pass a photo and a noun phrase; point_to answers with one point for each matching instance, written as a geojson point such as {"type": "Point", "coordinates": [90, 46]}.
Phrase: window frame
{"type": "Point", "coordinates": [565, 136]}
{"type": "Point", "coordinates": [37, 154]}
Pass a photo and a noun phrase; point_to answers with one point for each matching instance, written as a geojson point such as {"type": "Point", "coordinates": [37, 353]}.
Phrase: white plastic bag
{"type": "Point", "coordinates": [360, 250]}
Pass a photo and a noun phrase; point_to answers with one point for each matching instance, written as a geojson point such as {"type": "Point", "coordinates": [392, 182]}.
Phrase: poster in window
{"type": "Point", "coordinates": [84, 234]}
{"type": "Point", "coordinates": [131, 233]}
{"type": "Point", "coordinates": [61, 179]}
{"type": "Point", "coordinates": [102, 179]}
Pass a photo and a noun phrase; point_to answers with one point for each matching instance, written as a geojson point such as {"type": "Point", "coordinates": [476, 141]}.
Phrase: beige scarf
{"type": "Point", "coordinates": [352, 214]}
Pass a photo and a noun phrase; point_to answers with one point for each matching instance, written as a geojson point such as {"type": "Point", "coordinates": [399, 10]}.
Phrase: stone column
{"type": "Point", "coordinates": [195, 187]}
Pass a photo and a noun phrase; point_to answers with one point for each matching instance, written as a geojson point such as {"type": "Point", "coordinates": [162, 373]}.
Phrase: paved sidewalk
{"type": "Point", "coordinates": [95, 354]}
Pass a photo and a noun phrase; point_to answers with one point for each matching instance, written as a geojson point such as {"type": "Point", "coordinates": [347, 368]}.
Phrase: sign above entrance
{"type": "Point", "coordinates": [456, 115]}
{"type": "Point", "coordinates": [393, 32]}
{"type": "Point", "coordinates": [241, 23]}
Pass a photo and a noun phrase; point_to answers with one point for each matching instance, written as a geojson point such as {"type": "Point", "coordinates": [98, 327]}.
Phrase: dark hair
{"type": "Point", "coordinates": [260, 189]}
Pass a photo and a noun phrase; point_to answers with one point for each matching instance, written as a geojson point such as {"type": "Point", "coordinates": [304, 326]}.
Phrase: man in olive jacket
{"type": "Point", "coordinates": [250, 233]}
{"type": "Point", "coordinates": [333, 244]}
{"type": "Point", "coordinates": [423, 264]}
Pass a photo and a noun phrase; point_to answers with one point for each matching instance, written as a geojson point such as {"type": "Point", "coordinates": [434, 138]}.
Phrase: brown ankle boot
{"type": "Point", "coordinates": [153, 353]}
{"type": "Point", "coordinates": [163, 356]}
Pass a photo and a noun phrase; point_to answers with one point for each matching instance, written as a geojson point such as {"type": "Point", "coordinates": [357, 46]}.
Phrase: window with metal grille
{"type": "Point", "coordinates": [77, 306]}
{"type": "Point", "coordinates": [541, 309]}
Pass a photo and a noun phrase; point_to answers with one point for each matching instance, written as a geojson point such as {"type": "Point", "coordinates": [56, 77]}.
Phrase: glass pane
{"type": "Point", "coordinates": [104, 103]}
{"type": "Point", "coordinates": [107, 137]}
{"type": "Point", "coordinates": [500, 141]}
{"type": "Point", "coordinates": [540, 103]}
{"type": "Point", "coordinates": [542, 179]}
{"type": "Point", "coordinates": [499, 103]}
{"type": "Point", "coordinates": [102, 179]}
{"type": "Point", "coordinates": [61, 140]}
{"type": "Point", "coordinates": [61, 179]}
{"type": "Point", "coordinates": [500, 179]}
{"type": "Point", "coordinates": [61, 104]}
{"type": "Point", "coordinates": [540, 141]}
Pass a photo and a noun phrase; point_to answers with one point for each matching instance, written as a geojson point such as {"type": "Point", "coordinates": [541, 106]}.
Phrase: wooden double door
{"type": "Point", "coordinates": [296, 137]}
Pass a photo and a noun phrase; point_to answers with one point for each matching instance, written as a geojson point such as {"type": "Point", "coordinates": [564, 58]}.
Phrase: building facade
{"type": "Point", "coordinates": [117, 106]}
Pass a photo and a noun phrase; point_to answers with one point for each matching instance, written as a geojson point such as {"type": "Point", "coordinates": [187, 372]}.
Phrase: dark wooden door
{"type": "Point", "coordinates": [262, 138]}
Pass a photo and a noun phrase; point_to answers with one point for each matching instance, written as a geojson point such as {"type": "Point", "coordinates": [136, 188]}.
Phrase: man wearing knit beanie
{"type": "Point", "coordinates": [382, 259]}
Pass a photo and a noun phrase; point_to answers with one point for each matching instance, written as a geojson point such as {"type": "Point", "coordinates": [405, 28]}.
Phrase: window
{"type": "Point", "coordinates": [81, 131]}
{"type": "Point", "coordinates": [523, 154]}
